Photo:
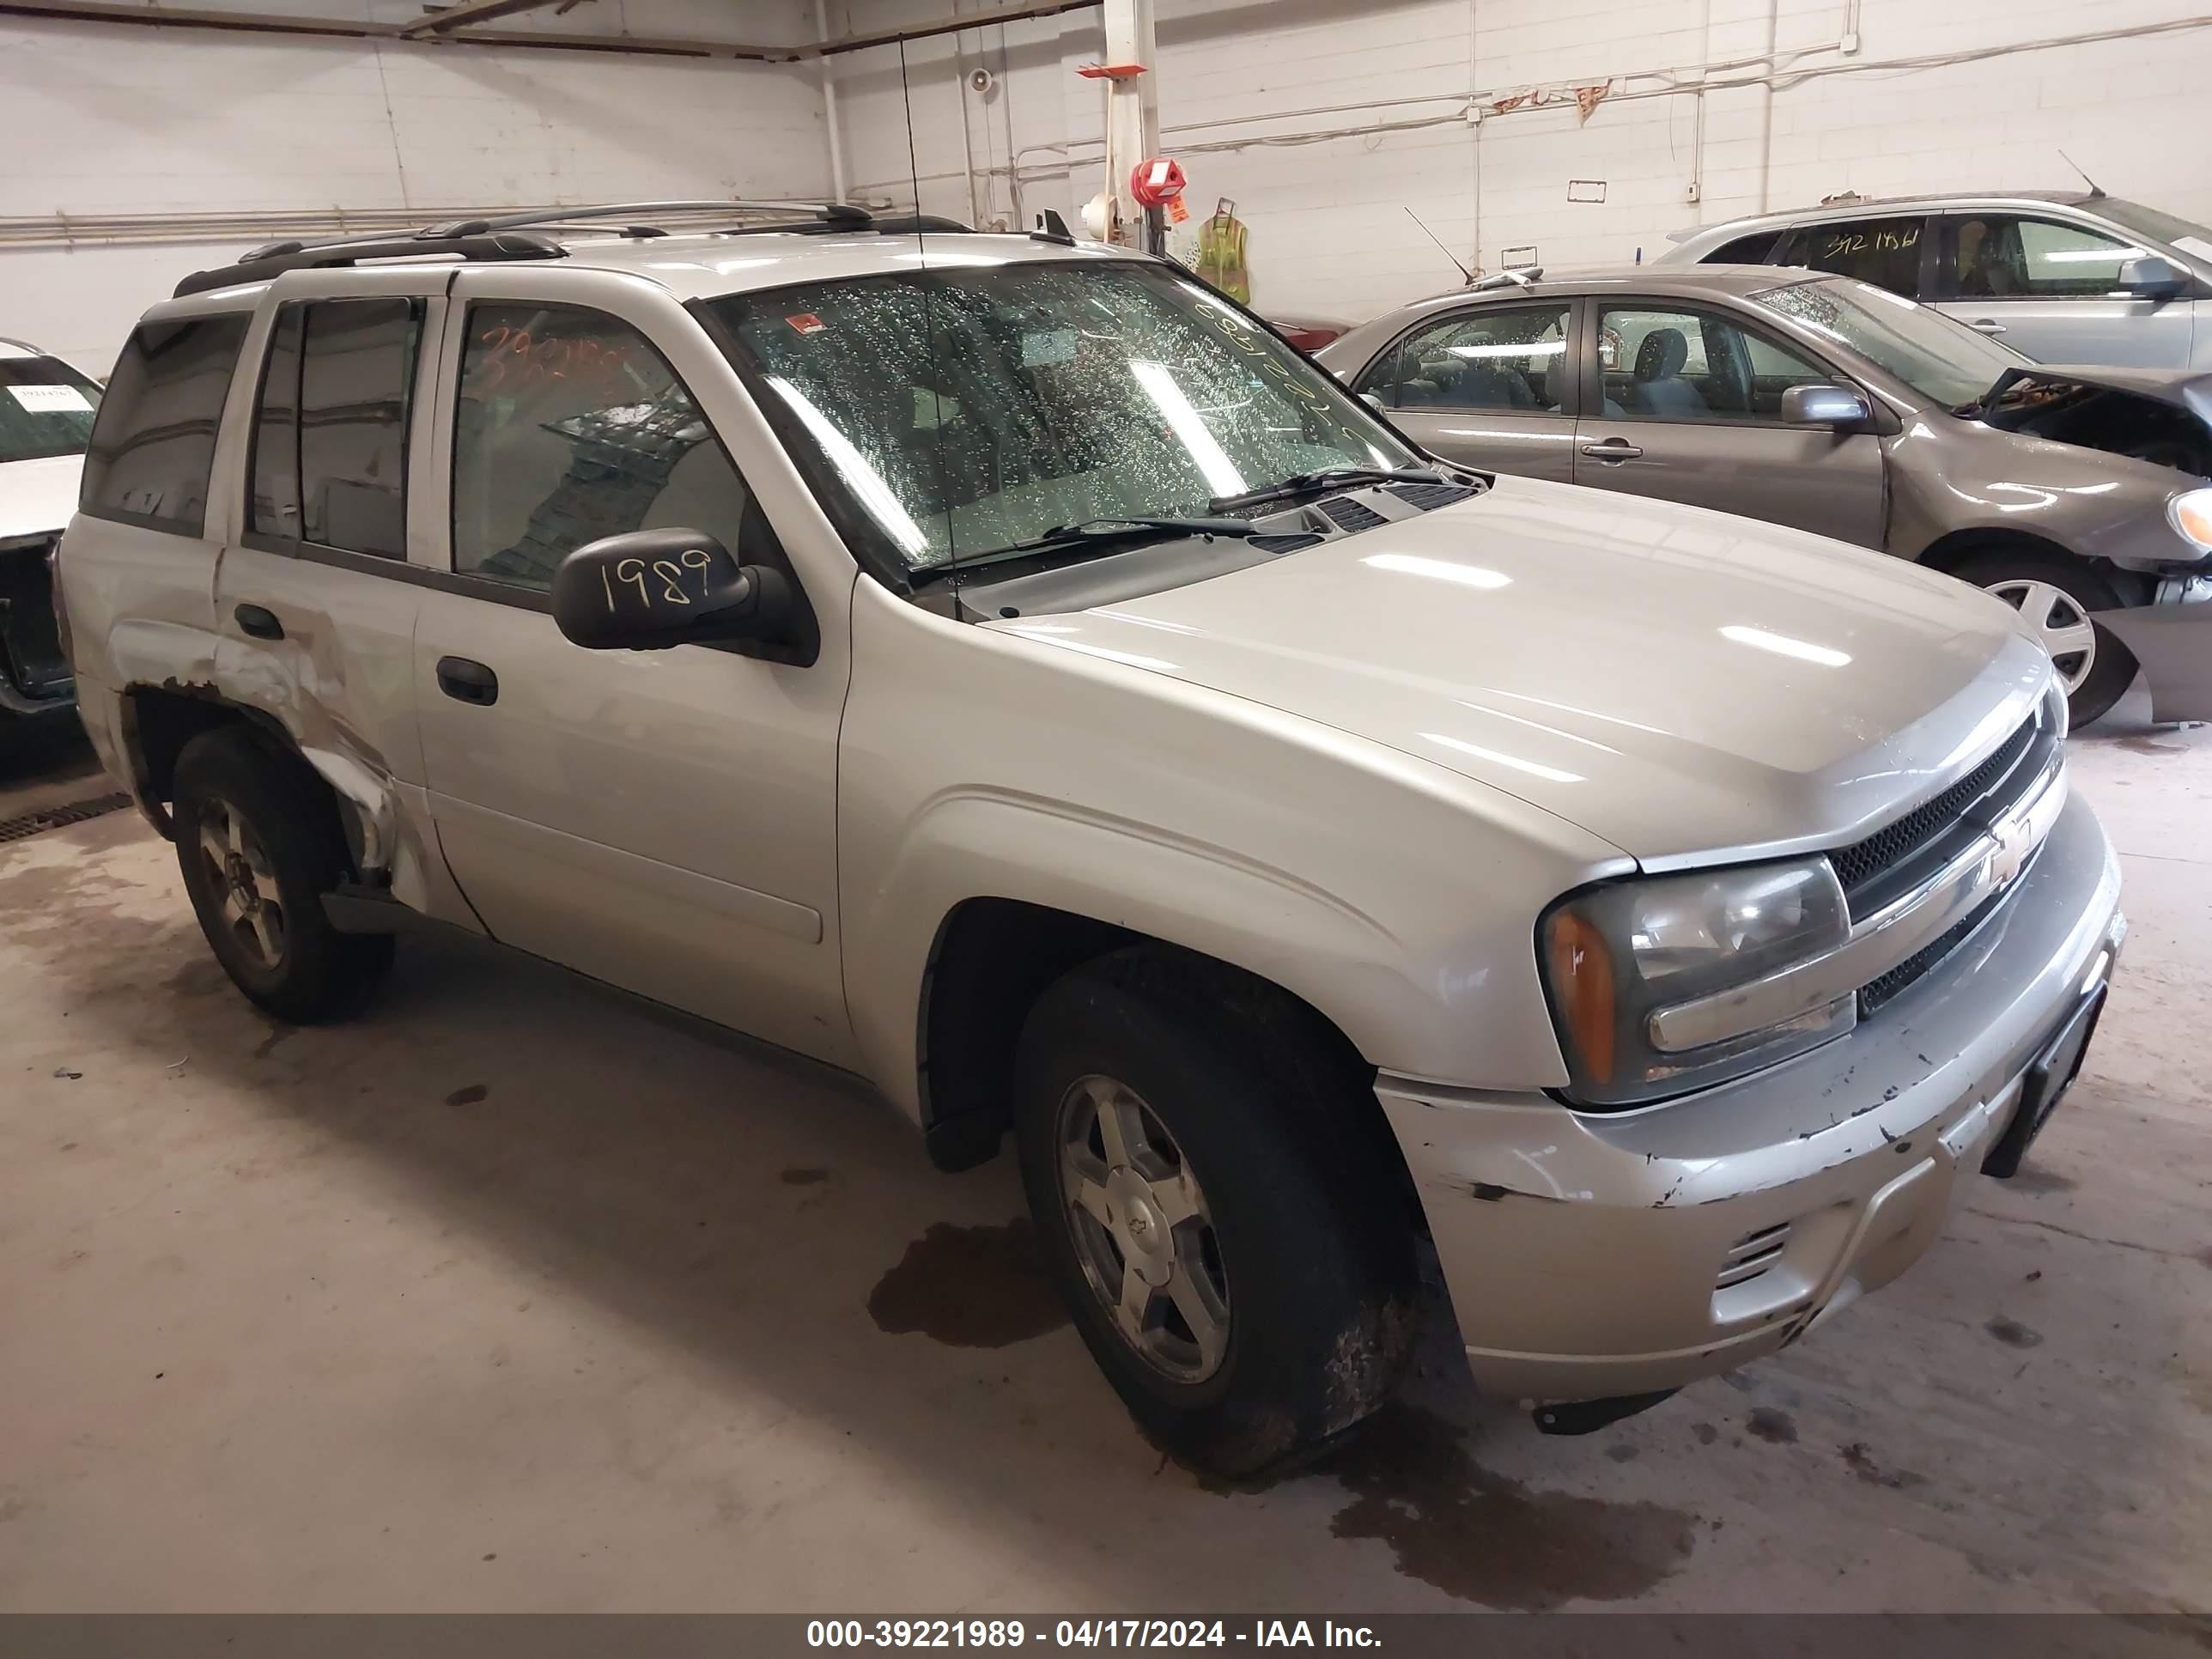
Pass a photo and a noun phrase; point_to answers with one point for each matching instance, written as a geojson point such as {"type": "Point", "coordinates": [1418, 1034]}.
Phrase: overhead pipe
{"type": "Point", "coordinates": [829, 108]}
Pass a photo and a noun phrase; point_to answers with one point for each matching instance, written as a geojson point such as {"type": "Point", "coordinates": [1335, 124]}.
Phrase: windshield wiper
{"type": "Point", "coordinates": [1091, 533]}
{"type": "Point", "coordinates": [1335, 477]}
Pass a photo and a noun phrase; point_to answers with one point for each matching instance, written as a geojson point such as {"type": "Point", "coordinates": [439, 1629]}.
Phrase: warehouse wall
{"type": "Point", "coordinates": [1329, 229]}
{"type": "Point", "coordinates": [107, 119]}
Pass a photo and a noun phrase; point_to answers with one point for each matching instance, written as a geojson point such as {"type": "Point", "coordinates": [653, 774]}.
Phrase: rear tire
{"type": "Point", "coordinates": [1248, 1210]}
{"type": "Point", "coordinates": [2057, 597]}
{"type": "Point", "coordinates": [259, 844]}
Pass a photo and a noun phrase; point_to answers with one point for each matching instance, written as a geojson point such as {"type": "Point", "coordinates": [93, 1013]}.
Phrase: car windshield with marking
{"type": "Point", "coordinates": [947, 416]}
{"type": "Point", "coordinates": [45, 409]}
{"type": "Point", "coordinates": [2185, 234]}
{"type": "Point", "coordinates": [1944, 360]}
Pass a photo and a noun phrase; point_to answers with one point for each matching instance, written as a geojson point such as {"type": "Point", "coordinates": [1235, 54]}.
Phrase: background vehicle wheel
{"type": "Point", "coordinates": [2056, 600]}
{"type": "Point", "coordinates": [1221, 1220]}
{"type": "Point", "coordinates": [259, 844]}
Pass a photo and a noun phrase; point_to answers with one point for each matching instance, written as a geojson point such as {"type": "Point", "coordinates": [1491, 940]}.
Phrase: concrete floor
{"type": "Point", "coordinates": [506, 1297]}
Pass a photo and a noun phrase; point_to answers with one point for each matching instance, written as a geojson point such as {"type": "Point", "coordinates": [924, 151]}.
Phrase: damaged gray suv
{"type": "Point", "coordinates": [1001, 668]}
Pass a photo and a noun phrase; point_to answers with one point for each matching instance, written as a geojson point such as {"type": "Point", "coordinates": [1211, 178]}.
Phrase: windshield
{"type": "Point", "coordinates": [45, 409]}
{"type": "Point", "coordinates": [2184, 234]}
{"type": "Point", "coordinates": [1944, 360]}
{"type": "Point", "coordinates": [957, 413]}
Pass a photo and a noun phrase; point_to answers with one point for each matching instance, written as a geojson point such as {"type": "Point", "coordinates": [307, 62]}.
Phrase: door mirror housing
{"type": "Point", "coordinates": [1839, 406]}
{"type": "Point", "coordinates": [648, 589]}
{"type": "Point", "coordinates": [2153, 277]}
{"type": "Point", "coordinates": [1374, 403]}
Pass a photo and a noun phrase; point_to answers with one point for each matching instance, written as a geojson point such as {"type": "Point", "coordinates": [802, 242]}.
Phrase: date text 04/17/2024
{"type": "Point", "coordinates": [1085, 1633]}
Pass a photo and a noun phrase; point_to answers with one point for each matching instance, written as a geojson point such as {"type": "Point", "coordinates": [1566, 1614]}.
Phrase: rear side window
{"type": "Point", "coordinates": [154, 441]}
{"type": "Point", "coordinates": [1750, 250]}
{"type": "Point", "coordinates": [330, 430]}
{"type": "Point", "coordinates": [1883, 252]}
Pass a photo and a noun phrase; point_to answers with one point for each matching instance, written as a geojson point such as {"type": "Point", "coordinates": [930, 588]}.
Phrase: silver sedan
{"type": "Point", "coordinates": [1837, 407]}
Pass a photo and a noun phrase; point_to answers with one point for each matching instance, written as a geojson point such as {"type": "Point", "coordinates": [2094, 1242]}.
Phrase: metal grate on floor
{"type": "Point", "coordinates": [55, 818]}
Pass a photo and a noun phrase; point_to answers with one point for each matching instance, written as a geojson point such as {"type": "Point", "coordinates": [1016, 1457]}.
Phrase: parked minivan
{"type": "Point", "coordinates": [2065, 277]}
{"type": "Point", "coordinates": [1003, 669]}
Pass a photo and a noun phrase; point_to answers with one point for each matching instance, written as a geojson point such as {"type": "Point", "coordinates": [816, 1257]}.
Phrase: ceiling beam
{"type": "Point", "coordinates": [468, 11]}
{"type": "Point", "coordinates": [981, 17]}
{"type": "Point", "coordinates": [261, 22]}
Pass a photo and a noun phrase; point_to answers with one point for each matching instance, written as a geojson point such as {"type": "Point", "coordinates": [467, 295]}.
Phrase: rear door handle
{"type": "Point", "coordinates": [258, 621]}
{"type": "Point", "coordinates": [1612, 449]}
{"type": "Point", "coordinates": [1987, 326]}
{"type": "Point", "coordinates": [467, 681]}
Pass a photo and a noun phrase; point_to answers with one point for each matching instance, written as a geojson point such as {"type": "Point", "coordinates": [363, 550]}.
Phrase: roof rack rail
{"type": "Point", "coordinates": [506, 236]}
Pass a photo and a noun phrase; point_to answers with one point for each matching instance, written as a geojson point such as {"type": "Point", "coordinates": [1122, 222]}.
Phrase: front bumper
{"type": "Point", "coordinates": [1590, 1256]}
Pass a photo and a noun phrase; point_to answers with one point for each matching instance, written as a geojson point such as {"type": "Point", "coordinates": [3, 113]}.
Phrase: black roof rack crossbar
{"type": "Point", "coordinates": [277, 258]}
{"type": "Point", "coordinates": [837, 213]}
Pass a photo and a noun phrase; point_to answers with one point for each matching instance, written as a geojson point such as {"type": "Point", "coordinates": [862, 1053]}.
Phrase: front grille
{"type": "Point", "coordinates": [1753, 1254]}
{"type": "Point", "coordinates": [1283, 544]}
{"type": "Point", "coordinates": [1890, 986]}
{"type": "Point", "coordinates": [1347, 514]}
{"type": "Point", "coordinates": [1425, 497]}
{"type": "Point", "coordinates": [1871, 871]}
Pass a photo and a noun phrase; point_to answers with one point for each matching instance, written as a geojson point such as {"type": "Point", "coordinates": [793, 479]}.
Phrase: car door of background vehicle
{"type": "Point", "coordinates": [662, 820]}
{"type": "Point", "coordinates": [1487, 385]}
{"type": "Point", "coordinates": [1685, 399]}
{"type": "Point", "coordinates": [1893, 251]}
{"type": "Point", "coordinates": [2049, 287]}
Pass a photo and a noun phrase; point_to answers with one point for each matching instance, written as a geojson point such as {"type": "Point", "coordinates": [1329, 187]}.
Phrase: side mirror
{"type": "Point", "coordinates": [1826, 405]}
{"type": "Point", "coordinates": [2152, 277]}
{"type": "Point", "coordinates": [650, 589]}
{"type": "Point", "coordinates": [1374, 403]}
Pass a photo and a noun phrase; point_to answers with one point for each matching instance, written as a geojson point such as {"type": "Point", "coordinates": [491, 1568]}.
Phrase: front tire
{"type": "Point", "coordinates": [1215, 1211]}
{"type": "Point", "coordinates": [259, 845]}
{"type": "Point", "coordinates": [2055, 600]}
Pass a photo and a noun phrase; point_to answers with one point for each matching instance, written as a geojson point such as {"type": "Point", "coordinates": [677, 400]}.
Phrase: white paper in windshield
{"type": "Point", "coordinates": [50, 399]}
{"type": "Point", "coordinates": [2195, 246]}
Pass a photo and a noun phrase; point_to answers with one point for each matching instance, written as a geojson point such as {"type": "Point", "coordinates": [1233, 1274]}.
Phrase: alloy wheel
{"type": "Point", "coordinates": [1143, 1233]}
{"type": "Point", "coordinates": [239, 870]}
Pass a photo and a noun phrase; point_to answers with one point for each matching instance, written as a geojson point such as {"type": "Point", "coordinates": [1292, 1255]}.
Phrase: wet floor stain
{"type": "Point", "coordinates": [201, 978]}
{"type": "Point", "coordinates": [1486, 1539]}
{"type": "Point", "coordinates": [970, 1287]}
{"type": "Point", "coordinates": [469, 1095]}
{"type": "Point", "coordinates": [1776, 1428]}
{"type": "Point", "coordinates": [2033, 1180]}
{"type": "Point", "coordinates": [1858, 1458]}
{"type": "Point", "coordinates": [2013, 1334]}
{"type": "Point", "coordinates": [1706, 1434]}
{"type": "Point", "coordinates": [804, 1177]}
{"type": "Point", "coordinates": [1623, 1453]}
{"type": "Point", "coordinates": [2152, 746]}
{"type": "Point", "coordinates": [267, 1046]}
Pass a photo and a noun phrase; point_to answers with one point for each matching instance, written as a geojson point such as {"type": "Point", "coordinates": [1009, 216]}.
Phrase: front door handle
{"type": "Point", "coordinates": [258, 621]}
{"type": "Point", "coordinates": [467, 681]}
{"type": "Point", "coordinates": [1987, 326]}
{"type": "Point", "coordinates": [1612, 449]}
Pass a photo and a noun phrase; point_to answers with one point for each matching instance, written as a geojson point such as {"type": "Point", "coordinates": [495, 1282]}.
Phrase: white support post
{"type": "Point", "coordinates": [1132, 111]}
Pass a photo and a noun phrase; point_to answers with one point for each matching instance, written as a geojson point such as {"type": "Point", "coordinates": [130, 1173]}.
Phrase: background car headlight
{"type": "Point", "coordinates": [2192, 515]}
{"type": "Point", "coordinates": [1616, 955]}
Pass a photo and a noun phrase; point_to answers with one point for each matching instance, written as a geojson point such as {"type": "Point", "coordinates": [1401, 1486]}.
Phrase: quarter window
{"type": "Point", "coordinates": [1999, 255]}
{"type": "Point", "coordinates": [572, 427]}
{"type": "Point", "coordinates": [330, 430]}
{"type": "Point", "coordinates": [1683, 365]}
{"type": "Point", "coordinates": [153, 443]}
{"type": "Point", "coordinates": [1502, 358]}
{"type": "Point", "coordinates": [1883, 252]}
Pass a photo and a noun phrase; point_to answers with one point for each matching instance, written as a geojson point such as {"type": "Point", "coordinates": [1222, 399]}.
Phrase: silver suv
{"type": "Point", "coordinates": [1003, 669]}
{"type": "Point", "coordinates": [2066, 277]}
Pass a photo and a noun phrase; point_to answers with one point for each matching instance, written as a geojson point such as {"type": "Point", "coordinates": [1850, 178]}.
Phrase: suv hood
{"type": "Point", "coordinates": [1681, 682]}
{"type": "Point", "coordinates": [37, 497]}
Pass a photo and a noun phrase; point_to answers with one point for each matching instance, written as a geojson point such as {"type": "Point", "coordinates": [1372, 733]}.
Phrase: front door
{"type": "Point", "coordinates": [662, 820]}
{"type": "Point", "coordinates": [1687, 407]}
{"type": "Point", "coordinates": [1487, 385]}
{"type": "Point", "coordinates": [2049, 288]}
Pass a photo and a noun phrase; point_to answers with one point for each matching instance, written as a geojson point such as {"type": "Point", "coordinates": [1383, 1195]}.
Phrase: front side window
{"type": "Point", "coordinates": [1883, 252]}
{"type": "Point", "coordinates": [47, 408]}
{"type": "Point", "coordinates": [1999, 255]}
{"type": "Point", "coordinates": [330, 430]}
{"type": "Point", "coordinates": [1943, 359]}
{"type": "Point", "coordinates": [572, 427]}
{"type": "Point", "coordinates": [152, 442]}
{"type": "Point", "coordinates": [957, 413]}
{"type": "Point", "coordinates": [1673, 364]}
{"type": "Point", "coordinates": [1496, 358]}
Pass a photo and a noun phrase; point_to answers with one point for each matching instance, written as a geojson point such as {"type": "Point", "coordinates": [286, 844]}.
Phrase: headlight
{"type": "Point", "coordinates": [1618, 957]}
{"type": "Point", "coordinates": [2191, 516]}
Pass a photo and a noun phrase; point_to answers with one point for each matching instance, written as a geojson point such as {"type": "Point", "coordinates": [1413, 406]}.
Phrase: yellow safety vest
{"type": "Point", "coordinates": [1221, 257]}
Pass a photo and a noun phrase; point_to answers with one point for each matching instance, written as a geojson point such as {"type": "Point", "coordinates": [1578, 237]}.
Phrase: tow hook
{"type": "Point", "coordinates": [1587, 1416]}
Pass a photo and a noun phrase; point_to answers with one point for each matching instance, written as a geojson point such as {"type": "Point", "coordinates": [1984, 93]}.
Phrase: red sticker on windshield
{"type": "Point", "coordinates": [807, 322]}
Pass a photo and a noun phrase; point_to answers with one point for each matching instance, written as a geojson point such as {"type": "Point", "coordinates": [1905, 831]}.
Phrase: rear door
{"type": "Point", "coordinates": [1893, 251]}
{"type": "Point", "coordinates": [1684, 402]}
{"type": "Point", "coordinates": [2050, 287]}
{"type": "Point", "coordinates": [1487, 385]}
